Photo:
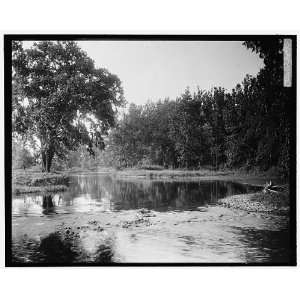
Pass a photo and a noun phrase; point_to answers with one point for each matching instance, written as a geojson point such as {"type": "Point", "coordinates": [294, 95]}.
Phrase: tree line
{"type": "Point", "coordinates": [248, 127]}
{"type": "Point", "coordinates": [67, 104]}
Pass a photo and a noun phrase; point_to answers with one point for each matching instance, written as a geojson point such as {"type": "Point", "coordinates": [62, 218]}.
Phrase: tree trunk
{"type": "Point", "coordinates": [47, 156]}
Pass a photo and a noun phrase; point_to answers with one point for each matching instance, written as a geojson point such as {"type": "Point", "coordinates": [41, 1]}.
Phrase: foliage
{"type": "Point", "coordinates": [248, 127]}
{"type": "Point", "coordinates": [61, 99]}
{"type": "Point", "coordinates": [22, 158]}
{"type": "Point", "coordinates": [274, 103]}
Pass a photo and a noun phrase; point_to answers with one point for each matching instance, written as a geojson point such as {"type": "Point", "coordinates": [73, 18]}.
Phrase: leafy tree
{"type": "Point", "coordinates": [273, 105]}
{"type": "Point", "coordinates": [214, 107]}
{"type": "Point", "coordinates": [187, 130]}
{"type": "Point", "coordinates": [62, 100]}
{"type": "Point", "coordinates": [162, 147]}
{"type": "Point", "coordinates": [22, 158]}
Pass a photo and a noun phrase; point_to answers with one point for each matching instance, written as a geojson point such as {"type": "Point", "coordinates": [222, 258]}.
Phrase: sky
{"type": "Point", "coordinates": [153, 70]}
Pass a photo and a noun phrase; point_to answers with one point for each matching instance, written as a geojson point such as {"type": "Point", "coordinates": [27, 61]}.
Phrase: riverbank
{"type": "Point", "coordinates": [30, 181]}
{"type": "Point", "coordinates": [272, 203]}
{"type": "Point", "coordinates": [258, 179]}
{"type": "Point", "coordinates": [56, 230]}
{"type": "Point", "coordinates": [260, 202]}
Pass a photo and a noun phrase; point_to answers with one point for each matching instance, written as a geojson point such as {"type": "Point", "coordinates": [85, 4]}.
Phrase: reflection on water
{"type": "Point", "coordinates": [273, 244]}
{"type": "Point", "coordinates": [184, 224]}
{"type": "Point", "coordinates": [104, 193]}
{"type": "Point", "coordinates": [56, 248]}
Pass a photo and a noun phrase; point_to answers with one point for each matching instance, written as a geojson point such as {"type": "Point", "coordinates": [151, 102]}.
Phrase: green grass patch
{"type": "Point", "coordinates": [30, 181]}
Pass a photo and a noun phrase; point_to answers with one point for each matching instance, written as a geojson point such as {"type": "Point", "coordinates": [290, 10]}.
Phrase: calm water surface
{"type": "Point", "coordinates": [94, 193]}
{"type": "Point", "coordinates": [220, 234]}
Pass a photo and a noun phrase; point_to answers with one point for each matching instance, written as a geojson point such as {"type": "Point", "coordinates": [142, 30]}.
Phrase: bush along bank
{"type": "Point", "coordinates": [38, 182]}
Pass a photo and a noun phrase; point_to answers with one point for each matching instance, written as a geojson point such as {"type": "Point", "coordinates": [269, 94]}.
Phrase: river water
{"type": "Point", "coordinates": [103, 219]}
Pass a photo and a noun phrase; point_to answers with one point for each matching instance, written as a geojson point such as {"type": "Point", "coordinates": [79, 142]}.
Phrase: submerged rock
{"type": "Point", "coordinates": [146, 212]}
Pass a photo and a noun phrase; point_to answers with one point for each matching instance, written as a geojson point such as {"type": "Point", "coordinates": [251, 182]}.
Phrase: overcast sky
{"type": "Point", "coordinates": [152, 70]}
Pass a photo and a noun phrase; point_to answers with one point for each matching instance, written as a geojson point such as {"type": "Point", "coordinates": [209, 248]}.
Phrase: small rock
{"type": "Point", "coordinates": [144, 211]}
{"type": "Point", "coordinates": [92, 222]}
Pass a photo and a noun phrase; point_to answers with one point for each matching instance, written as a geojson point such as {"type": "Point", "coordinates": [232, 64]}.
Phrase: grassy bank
{"type": "Point", "coordinates": [273, 203]}
{"type": "Point", "coordinates": [159, 173]}
{"type": "Point", "coordinates": [170, 173]}
{"type": "Point", "coordinates": [256, 178]}
{"type": "Point", "coordinates": [32, 181]}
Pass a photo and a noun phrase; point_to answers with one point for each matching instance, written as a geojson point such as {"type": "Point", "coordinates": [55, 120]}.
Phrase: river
{"type": "Point", "coordinates": [104, 219]}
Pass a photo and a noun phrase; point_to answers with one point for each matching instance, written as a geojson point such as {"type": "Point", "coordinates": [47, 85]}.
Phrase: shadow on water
{"type": "Point", "coordinates": [265, 245]}
{"type": "Point", "coordinates": [56, 248]}
{"type": "Point", "coordinates": [53, 249]}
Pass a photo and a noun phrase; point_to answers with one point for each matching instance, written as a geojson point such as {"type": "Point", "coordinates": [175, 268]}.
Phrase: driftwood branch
{"type": "Point", "coordinates": [270, 188]}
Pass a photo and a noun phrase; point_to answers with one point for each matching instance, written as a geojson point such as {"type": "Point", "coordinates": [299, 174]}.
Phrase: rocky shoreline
{"type": "Point", "coordinates": [272, 203]}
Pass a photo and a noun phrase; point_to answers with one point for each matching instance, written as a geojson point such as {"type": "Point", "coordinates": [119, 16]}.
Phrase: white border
{"type": "Point", "coordinates": [141, 17]}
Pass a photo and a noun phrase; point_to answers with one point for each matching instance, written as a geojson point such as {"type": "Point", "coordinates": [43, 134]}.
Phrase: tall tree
{"type": "Point", "coordinates": [63, 99]}
{"type": "Point", "coordinates": [274, 102]}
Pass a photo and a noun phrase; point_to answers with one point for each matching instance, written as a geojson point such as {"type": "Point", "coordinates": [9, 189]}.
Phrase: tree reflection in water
{"type": "Point", "coordinates": [48, 204]}
{"type": "Point", "coordinates": [159, 195]}
{"type": "Point", "coordinates": [104, 193]}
